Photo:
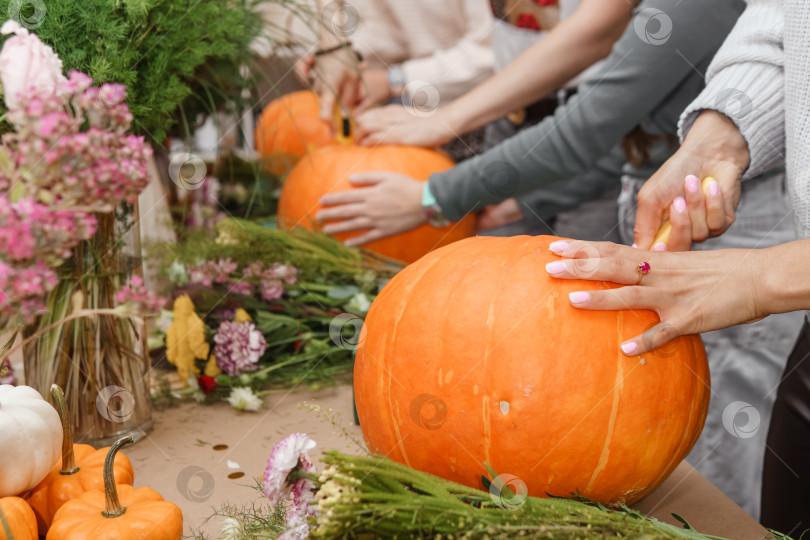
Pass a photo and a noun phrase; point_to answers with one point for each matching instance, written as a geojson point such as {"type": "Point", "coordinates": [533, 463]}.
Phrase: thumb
{"type": "Point", "coordinates": [328, 106]}
{"type": "Point", "coordinates": [650, 217]}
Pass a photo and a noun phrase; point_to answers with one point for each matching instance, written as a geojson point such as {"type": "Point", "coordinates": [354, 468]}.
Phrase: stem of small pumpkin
{"type": "Point", "coordinates": [114, 508]}
{"type": "Point", "coordinates": [6, 526]}
{"type": "Point", "coordinates": [68, 458]}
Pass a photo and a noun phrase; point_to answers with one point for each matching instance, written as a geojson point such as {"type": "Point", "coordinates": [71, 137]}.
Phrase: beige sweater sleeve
{"type": "Point", "coordinates": [459, 68]}
{"type": "Point", "coordinates": [745, 81]}
{"type": "Point", "coordinates": [444, 44]}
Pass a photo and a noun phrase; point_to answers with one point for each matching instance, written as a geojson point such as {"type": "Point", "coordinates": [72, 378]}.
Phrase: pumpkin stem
{"type": "Point", "coordinates": [114, 508]}
{"type": "Point", "coordinates": [68, 459]}
{"type": "Point", "coordinates": [6, 526]}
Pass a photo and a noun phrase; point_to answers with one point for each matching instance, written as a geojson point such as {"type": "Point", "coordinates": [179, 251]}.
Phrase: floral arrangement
{"type": "Point", "coordinates": [259, 308]}
{"type": "Point", "coordinates": [373, 497]}
{"type": "Point", "coordinates": [66, 158]}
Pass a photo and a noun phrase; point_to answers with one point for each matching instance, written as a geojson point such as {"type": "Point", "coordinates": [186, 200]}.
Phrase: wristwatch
{"type": "Point", "coordinates": [433, 212]}
{"type": "Point", "coordinates": [396, 80]}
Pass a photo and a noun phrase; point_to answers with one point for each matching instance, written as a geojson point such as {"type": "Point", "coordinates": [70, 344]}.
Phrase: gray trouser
{"type": "Point", "coordinates": [746, 361]}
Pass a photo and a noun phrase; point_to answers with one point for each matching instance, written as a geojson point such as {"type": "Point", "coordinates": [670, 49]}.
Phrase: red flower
{"type": "Point", "coordinates": [207, 384]}
{"type": "Point", "coordinates": [546, 2]}
{"type": "Point", "coordinates": [527, 21]}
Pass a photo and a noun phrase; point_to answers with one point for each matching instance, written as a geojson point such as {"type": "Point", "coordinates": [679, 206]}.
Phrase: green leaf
{"type": "Point", "coordinates": [343, 292]}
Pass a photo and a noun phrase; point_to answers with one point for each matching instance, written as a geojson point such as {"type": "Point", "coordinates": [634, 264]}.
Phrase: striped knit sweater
{"type": "Point", "coordinates": [760, 78]}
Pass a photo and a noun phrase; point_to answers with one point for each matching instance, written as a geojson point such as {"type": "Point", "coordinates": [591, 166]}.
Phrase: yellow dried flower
{"type": "Point", "coordinates": [241, 316]}
{"type": "Point", "coordinates": [185, 341]}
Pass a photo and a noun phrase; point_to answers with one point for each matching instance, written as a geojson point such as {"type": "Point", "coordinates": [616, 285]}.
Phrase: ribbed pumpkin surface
{"type": "Point", "coordinates": [20, 519]}
{"type": "Point", "coordinates": [474, 354]}
{"type": "Point", "coordinates": [290, 128]}
{"type": "Point", "coordinates": [327, 171]}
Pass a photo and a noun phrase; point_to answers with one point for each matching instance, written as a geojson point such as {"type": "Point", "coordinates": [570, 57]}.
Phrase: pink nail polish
{"type": "Point", "coordinates": [629, 347]}
{"type": "Point", "coordinates": [714, 188]}
{"type": "Point", "coordinates": [660, 246]}
{"type": "Point", "coordinates": [635, 246]}
{"type": "Point", "coordinates": [579, 297]}
{"type": "Point", "coordinates": [559, 246]}
{"type": "Point", "coordinates": [555, 267]}
{"type": "Point", "coordinates": [679, 204]}
{"type": "Point", "coordinates": [692, 183]}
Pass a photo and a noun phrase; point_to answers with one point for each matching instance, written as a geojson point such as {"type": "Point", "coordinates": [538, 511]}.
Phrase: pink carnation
{"type": "Point", "coordinates": [238, 347]}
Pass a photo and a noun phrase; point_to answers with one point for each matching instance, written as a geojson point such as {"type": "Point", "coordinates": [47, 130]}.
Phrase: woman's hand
{"type": "Point", "coordinates": [335, 77]}
{"type": "Point", "coordinates": [692, 292]}
{"type": "Point", "coordinates": [714, 147]}
{"type": "Point", "coordinates": [374, 89]}
{"type": "Point", "coordinates": [390, 205]}
{"type": "Point", "coordinates": [497, 215]}
{"type": "Point", "coordinates": [397, 124]}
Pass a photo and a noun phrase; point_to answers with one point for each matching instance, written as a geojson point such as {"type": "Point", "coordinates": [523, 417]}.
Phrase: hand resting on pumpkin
{"type": "Point", "coordinates": [692, 292]}
{"type": "Point", "coordinates": [391, 204]}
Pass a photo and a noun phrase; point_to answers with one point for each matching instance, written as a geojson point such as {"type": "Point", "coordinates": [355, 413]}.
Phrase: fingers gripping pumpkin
{"type": "Point", "coordinates": [327, 171]}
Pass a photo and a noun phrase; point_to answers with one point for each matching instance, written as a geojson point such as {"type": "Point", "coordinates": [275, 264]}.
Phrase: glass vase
{"type": "Point", "coordinates": [100, 361]}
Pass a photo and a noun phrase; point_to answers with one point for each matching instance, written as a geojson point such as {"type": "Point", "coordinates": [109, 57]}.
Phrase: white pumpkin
{"type": "Point", "coordinates": [30, 439]}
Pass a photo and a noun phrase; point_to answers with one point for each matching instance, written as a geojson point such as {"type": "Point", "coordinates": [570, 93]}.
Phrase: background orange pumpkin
{"type": "Point", "coordinates": [474, 354]}
{"type": "Point", "coordinates": [289, 128]}
{"type": "Point", "coordinates": [327, 171]}
{"type": "Point", "coordinates": [81, 469]}
{"type": "Point", "coordinates": [19, 518]}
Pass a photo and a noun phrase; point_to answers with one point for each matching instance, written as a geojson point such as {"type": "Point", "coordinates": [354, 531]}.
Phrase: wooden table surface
{"type": "Point", "coordinates": [178, 459]}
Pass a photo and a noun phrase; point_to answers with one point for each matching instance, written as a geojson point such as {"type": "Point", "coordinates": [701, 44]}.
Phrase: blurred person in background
{"type": "Point", "coordinates": [400, 46]}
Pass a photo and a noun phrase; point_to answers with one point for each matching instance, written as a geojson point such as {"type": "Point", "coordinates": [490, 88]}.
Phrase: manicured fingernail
{"type": "Point", "coordinates": [629, 347]}
{"type": "Point", "coordinates": [692, 183]}
{"type": "Point", "coordinates": [635, 246]}
{"type": "Point", "coordinates": [559, 246]}
{"type": "Point", "coordinates": [660, 246]}
{"type": "Point", "coordinates": [679, 204]}
{"type": "Point", "coordinates": [555, 267]}
{"type": "Point", "coordinates": [714, 188]}
{"type": "Point", "coordinates": [579, 297]}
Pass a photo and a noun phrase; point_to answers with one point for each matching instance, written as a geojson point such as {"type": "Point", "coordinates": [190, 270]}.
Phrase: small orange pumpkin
{"type": "Point", "coordinates": [82, 469]}
{"type": "Point", "coordinates": [327, 171]}
{"type": "Point", "coordinates": [17, 520]}
{"type": "Point", "coordinates": [474, 354]}
{"type": "Point", "coordinates": [120, 512]}
{"type": "Point", "coordinates": [289, 128]}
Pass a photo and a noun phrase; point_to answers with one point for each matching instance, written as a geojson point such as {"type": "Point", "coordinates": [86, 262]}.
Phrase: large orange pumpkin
{"type": "Point", "coordinates": [474, 354]}
{"type": "Point", "coordinates": [19, 518]}
{"type": "Point", "coordinates": [290, 128]}
{"type": "Point", "coordinates": [327, 171]}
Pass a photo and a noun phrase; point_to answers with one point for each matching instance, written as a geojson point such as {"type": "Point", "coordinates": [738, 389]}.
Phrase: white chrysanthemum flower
{"type": "Point", "coordinates": [243, 399]}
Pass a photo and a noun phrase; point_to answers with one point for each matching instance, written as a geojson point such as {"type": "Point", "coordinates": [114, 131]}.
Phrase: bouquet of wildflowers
{"type": "Point", "coordinates": [374, 497]}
